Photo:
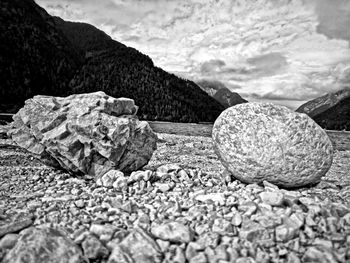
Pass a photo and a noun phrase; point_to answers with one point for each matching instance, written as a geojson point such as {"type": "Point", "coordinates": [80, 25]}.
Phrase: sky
{"type": "Point", "coordinates": [281, 51]}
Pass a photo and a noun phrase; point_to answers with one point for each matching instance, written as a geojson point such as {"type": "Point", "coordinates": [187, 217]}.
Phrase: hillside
{"type": "Point", "coordinates": [221, 93]}
{"type": "Point", "coordinates": [228, 98]}
{"type": "Point", "coordinates": [331, 111]}
{"type": "Point", "coordinates": [62, 58]}
{"type": "Point", "coordinates": [35, 58]}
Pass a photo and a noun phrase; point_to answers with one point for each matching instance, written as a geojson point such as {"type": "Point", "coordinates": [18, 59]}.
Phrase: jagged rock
{"type": "Point", "coordinates": [138, 246]}
{"type": "Point", "coordinates": [263, 141]}
{"type": "Point", "coordinates": [173, 231]}
{"type": "Point", "coordinates": [41, 245]}
{"type": "Point", "coordinates": [85, 133]}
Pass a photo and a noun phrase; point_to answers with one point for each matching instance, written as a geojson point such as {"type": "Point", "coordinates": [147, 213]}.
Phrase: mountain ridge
{"type": "Point", "coordinates": [221, 93]}
{"type": "Point", "coordinates": [89, 60]}
{"type": "Point", "coordinates": [331, 111]}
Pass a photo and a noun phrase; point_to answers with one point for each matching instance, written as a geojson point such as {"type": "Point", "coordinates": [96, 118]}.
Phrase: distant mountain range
{"type": "Point", "coordinates": [41, 54]}
{"type": "Point", "coordinates": [331, 111]}
{"type": "Point", "coordinates": [221, 93]}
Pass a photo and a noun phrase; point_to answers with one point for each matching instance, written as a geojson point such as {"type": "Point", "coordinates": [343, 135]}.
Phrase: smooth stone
{"type": "Point", "coordinates": [260, 142]}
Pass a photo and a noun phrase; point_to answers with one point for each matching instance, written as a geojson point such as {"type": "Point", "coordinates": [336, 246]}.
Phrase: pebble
{"type": "Point", "coordinates": [215, 197]}
{"type": "Point", "coordinates": [173, 231]}
{"type": "Point", "coordinates": [226, 222]}
{"type": "Point", "coordinates": [79, 203]}
{"type": "Point", "coordinates": [272, 198]}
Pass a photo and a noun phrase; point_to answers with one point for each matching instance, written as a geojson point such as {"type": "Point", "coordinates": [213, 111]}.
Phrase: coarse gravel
{"type": "Point", "coordinates": [183, 208]}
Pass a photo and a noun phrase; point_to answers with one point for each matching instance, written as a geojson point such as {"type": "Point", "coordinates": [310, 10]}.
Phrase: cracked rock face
{"type": "Point", "coordinates": [263, 141]}
{"type": "Point", "coordinates": [85, 133]}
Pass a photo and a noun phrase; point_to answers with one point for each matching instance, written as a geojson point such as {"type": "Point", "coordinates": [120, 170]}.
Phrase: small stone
{"type": "Point", "coordinates": [79, 203]}
{"type": "Point", "coordinates": [272, 198]}
{"type": "Point", "coordinates": [292, 258]}
{"type": "Point", "coordinates": [173, 231]}
{"type": "Point", "coordinates": [290, 228]}
{"type": "Point", "coordinates": [8, 241]}
{"type": "Point", "coordinates": [138, 176]}
{"type": "Point", "coordinates": [248, 208]}
{"type": "Point", "coordinates": [163, 187]}
{"type": "Point", "coordinates": [39, 245]}
{"type": "Point", "coordinates": [109, 178]}
{"type": "Point", "coordinates": [120, 183]}
{"type": "Point", "coordinates": [138, 246]}
{"type": "Point", "coordinates": [179, 256]}
{"type": "Point", "coordinates": [236, 219]}
{"type": "Point", "coordinates": [215, 197]}
{"type": "Point", "coordinates": [106, 230]}
{"type": "Point", "coordinates": [222, 226]}
{"type": "Point", "coordinates": [252, 231]}
{"type": "Point", "coordinates": [164, 245]}
{"type": "Point", "coordinates": [199, 258]}
{"type": "Point", "coordinates": [323, 243]}
{"type": "Point", "coordinates": [168, 168]}
{"type": "Point", "coordinates": [192, 250]}
{"type": "Point", "coordinates": [208, 239]}
{"type": "Point", "coordinates": [93, 248]}
{"type": "Point", "coordinates": [318, 255]}
{"type": "Point", "coordinates": [244, 260]}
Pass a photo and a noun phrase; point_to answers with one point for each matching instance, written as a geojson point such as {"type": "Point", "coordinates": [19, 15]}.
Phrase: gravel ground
{"type": "Point", "coordinates": [183, 208]}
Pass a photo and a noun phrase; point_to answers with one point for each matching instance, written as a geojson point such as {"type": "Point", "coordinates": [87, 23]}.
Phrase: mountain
{"type": "Point", "coordinates": [34, 55]}
{"type": "Point", "coordinates": [221, 93]}
{"type": "Point", "coordinates": [228, 98]}
{"type": "Point", "coordinates": [55, 57]}
{"type": "Point", "coordinates": [210, 86]}
{"type": "Point", "coordinates": [331, 111]}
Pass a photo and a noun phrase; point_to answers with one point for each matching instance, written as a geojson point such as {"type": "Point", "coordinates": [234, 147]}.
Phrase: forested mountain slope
{"type": "Point", "coordinates": [62, 58]}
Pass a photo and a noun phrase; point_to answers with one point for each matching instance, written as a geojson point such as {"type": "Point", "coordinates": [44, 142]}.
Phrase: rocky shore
{"type": "Point", "coordinates": [183, 207]}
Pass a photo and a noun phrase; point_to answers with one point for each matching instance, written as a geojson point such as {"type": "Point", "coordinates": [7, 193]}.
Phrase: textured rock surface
{"type": "Point", "coordinates": [257, 142]}
{"type": "Point", "coordinates": [85, 133]}
{"type": "Point", "coordinates": [37, 245]}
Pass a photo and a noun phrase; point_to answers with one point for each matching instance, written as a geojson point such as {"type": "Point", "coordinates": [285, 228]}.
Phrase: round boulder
{"type": "Point", "coordinates": [263, 141]}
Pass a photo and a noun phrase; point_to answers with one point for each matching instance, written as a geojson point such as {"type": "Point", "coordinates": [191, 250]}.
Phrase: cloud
{"type": "Point", "coordinates": [211, 66]}
{"type": "Point", "coordinates": [283, 50]}
{"type": "Point", "coordinates": [334, 18]}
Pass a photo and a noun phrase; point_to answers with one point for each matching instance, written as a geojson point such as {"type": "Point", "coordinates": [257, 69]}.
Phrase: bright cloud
{"type": "Point", "coordinates": [286, 51]}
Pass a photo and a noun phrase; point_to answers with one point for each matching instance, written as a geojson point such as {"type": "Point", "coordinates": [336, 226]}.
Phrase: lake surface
{"type": "Point", "coordinates": [340, 139]}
